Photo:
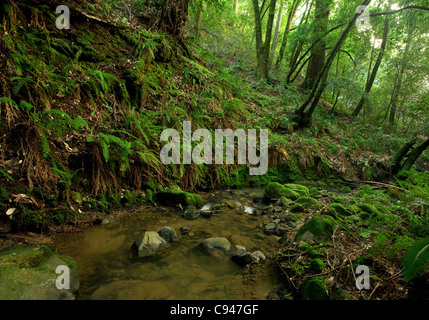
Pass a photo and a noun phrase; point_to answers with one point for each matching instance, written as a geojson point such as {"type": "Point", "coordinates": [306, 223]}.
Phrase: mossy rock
{"type": "Point", "coordinates": [367, 188]}
{"type": "Point", "coordinates": [340, 209]}
{"type": "Point", "coordinates": [317, 265]}
{"type": "Point", "coordinates": [368, 211]}
{"type": "Point", "coordinates": [175, 197]}
{"type": "Point", "coordinates": [275, 190]}
{"type": "Point", "coordinates": [314, 289]}
{"type": "Point", "coordinates": [301, 190]}
{"type": "Point", "coordinates": [314, 192]}
{"type": "Point", "coordinates": [361, 193]}
{"type": "Point", "coordinates": [296, 208]}
{"type": "Point", "coordinates": [319, 228]}
{"type": "Point", "coordinates": [345, 190]}
{"type": "Point", "coordinates": [343, 295]}
{"type": "Point", "coordinates": [338, 200]}
{"type": "Point", "coordinates": [307, 202]}
{"type": "Point", "coordinates": [28, 272]}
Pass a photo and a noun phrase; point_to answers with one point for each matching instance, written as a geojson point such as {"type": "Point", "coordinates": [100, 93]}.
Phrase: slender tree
{"type": "Point", "coordinates": [371, 79]}
{"type": "Point", "coordinates": [291, 15]}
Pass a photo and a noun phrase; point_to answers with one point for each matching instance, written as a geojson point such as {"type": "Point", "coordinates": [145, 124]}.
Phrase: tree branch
{"type": "Point", "coordinates": [399, 10]}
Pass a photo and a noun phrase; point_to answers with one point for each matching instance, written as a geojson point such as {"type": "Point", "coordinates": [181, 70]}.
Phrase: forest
{"type": "Point", "coordinates": [278, 149]}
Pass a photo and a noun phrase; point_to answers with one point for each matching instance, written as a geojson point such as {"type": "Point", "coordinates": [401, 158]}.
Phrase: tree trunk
{"type": "Point", "coordinates": [398, 88]}
{"type": "Point", "coordinates": [276, 34]}
{"type": "Point", "coordinates": [266, 53]}
{"type": "Point", "coordinates": [303, 117]}
{"type": "Point", "coordinates": [318, 53]}
{"type": "Point", "coordinates": [263, 48]}
{"type": "Point", "coordinates": [290, 17]}
{"type": "Point", "coordinates": [371, 79]}
{"type": "Point", "coordinates": [173, 17]}
{"type": "Point", "coordinates": [235, 6]}
{"type": "Point", "coordinates": [258, 31]}
{"type": "Point", "coordinates": [411, 156]}
{"type": "Point", "coordinates": [198, 18]}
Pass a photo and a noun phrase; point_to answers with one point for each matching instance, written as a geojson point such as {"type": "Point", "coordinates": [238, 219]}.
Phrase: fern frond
{"type": "Point", "coordinates": [416, 259]}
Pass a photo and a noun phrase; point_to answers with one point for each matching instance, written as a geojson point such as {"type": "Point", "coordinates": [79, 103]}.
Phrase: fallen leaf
{"type": "Point", "coordinates": [10, 211]}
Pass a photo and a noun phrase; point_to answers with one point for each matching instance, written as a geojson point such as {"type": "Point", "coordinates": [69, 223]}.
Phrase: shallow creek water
{"type": "Point", "coordinates": [183, 272]}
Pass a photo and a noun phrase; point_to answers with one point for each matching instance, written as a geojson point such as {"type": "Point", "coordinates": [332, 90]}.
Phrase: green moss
{"type": "Point", "coordinates": [345, 190]}
{"type": "Point", "coordinates": [338, 200]}
{"type": "Point", "coordinates": [361, 193]}
{"type": "Point", "coordinates": [307, 202]}
{"type": "Point", "coordinates": [301, 190]}
{"type": "Point", "coordinates": [339, 208]}
{"type": "Point", "coordinates": [314, 192]}
{"type": "Point", "coordinates": [175, 197]}
{"type": "Point", "coordinates": [343, 295]}
{"type": "Point", "coordinates": [368, 211]}
{"type": "Point", "coordinates": [4, 196]}
{"type": "Point", "coordinates": [319, 228]}
{"type": "Point", "coordinates": [314, 289]}
{"type": "Point", "coordinates": [367, 188]}
{"type": "Point", "coordinates": [275, 190]}
{"type": "Point", "coordinates": [317, 265]}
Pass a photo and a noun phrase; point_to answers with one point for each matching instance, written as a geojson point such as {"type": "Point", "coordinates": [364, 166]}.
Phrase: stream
{"type": "Point", "coordinates": [184, 271]}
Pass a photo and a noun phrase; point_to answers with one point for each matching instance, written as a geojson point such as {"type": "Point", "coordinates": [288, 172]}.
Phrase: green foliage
{"type": "Point", "coordinates": [416, 260]}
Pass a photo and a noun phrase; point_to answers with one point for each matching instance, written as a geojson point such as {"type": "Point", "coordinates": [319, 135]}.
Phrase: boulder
{"type": "Point", "coordinates": [168, 234]}
{"type": "Point", "coordinates": [29, 272]}
{"type": "Point", "coordinates": [301, 190]}
{"type": "Point", "coordinates": [149, 244]}
{"type": "Point", "coordinates": [211, 245]}
{"type": "Point", "coordinates": [319, 228]}
{"type": "Point", "coordinates": [275, 190]}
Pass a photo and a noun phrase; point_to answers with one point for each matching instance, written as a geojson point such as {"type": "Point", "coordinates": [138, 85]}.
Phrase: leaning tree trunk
{"type": "Point", "coordinates": [371, 79]}
{"type": "Point", "coordinates": [405, 159]}
{"type": "Point", "coordinates": [290, 17]}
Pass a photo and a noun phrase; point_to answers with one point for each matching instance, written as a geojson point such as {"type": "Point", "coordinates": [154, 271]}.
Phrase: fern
{"type": "Point", "coordinates": [416, 260]}
{"type": "Point", "coordinates": [8, 100]}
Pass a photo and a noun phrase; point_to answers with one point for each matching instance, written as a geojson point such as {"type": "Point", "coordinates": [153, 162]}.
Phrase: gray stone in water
{"type": "Point", "coordinates": [258, 256]}
{"type": "Point", "coordinates": [216, 244]}
{"type": "Point", "coordinates": [191, 214]}
{"type": "Point", "coordinates": [150, 243]}
{"type": "Point", "coordinates": [169, 234]}
{"type": "Point", "coordinates": [242, 257]}
{"type": "Point", "coordinates": [206, 213]}
{"type": "Point", "coordinates": [185, 229]}
{"type": "Point", "coordinates": [270, 227]}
